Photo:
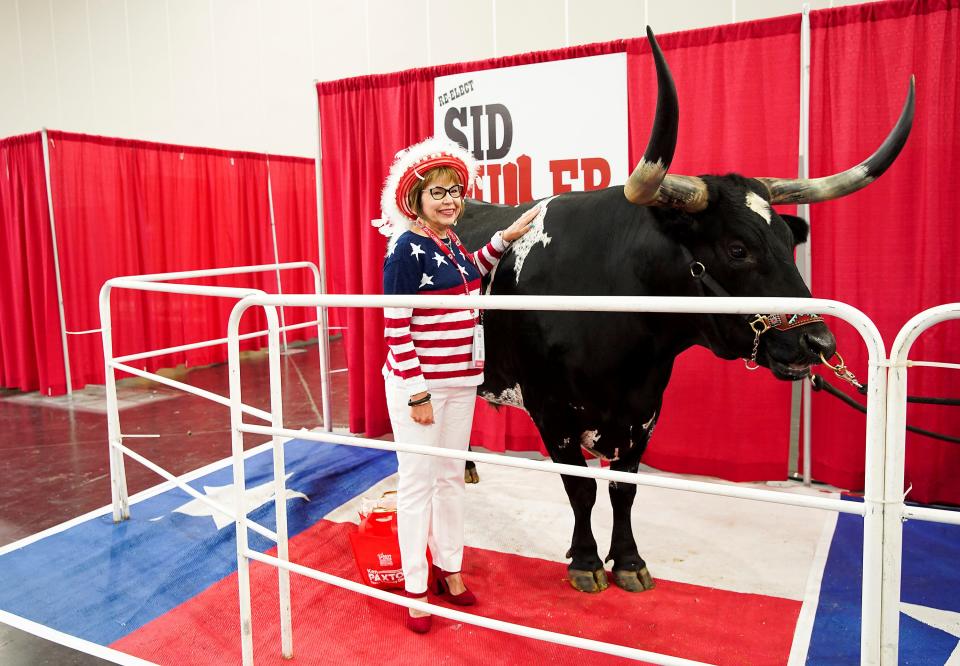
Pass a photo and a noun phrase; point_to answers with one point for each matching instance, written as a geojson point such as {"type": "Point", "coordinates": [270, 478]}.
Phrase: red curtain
{"type": "Point", "coordinates": [889, 250]}
{"type": "Point", "coordinates": [31, 352]}
{"type": "Point", "coordinates": [739, 88]}
{"type": "Point", "coordinates": [294, 191]}
{"type": "Point", "coordinates": [133, 207]}
{"type": "Point", "coordinates": [365, 122]}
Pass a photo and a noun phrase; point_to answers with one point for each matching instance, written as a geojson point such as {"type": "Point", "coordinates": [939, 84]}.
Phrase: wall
{"type": "Point", "coordinates": [238, 74]}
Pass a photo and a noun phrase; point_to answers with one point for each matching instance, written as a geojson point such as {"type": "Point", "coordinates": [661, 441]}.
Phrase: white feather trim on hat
{"type": "Point", "coordinates": [393, 222]}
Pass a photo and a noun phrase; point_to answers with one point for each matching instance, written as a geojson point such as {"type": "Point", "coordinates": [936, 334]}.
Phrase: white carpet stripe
{"type": "Point", "coordinates": [808, 611]}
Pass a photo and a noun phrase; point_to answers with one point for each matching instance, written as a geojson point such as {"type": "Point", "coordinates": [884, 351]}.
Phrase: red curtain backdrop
{"type": "Point", "coordinates": [739, 99]}
{"type": "Point", "coordinates": [366, 121]}
{"type": "Point", "coordinates": [132, 207]}
{"type": "Point", "coordinates": [31, 352]}
{"type": "Point", "coordinates": [889, 250]}
{"type": "Point", "coordinates": [294, 191]}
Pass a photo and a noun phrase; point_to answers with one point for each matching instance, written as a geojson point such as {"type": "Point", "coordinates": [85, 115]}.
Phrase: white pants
{"type": "Point", "coordinates": [430, 491]}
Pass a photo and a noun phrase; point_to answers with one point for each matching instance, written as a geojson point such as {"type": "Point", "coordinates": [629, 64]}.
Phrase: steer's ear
{"type": "Point", "coordinates": [798, 227]}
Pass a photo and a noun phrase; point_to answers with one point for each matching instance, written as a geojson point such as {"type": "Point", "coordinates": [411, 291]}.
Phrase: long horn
{"type": "Point", "coordinates": [649, 184]}
{"type": "Point", "coordinates": [813, 190]}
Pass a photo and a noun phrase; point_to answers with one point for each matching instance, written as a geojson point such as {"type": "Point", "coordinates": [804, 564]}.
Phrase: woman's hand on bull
{"type": "Point", "coordinates": [521, 225]}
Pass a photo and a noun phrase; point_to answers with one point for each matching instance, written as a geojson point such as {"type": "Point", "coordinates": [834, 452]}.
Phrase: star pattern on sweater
{"type": "Point", "coordinates": [437, 257]}
{"type": "Point", "coordinates": [416, 250]}
{"type": "Point", "coordinates": [425, 280]}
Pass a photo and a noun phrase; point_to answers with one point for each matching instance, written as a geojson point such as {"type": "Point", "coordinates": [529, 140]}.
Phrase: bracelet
{"type": "Point", "coordinates": [420, 401]}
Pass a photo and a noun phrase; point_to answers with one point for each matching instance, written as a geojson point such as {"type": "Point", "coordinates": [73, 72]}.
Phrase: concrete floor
{"type": "Point", "coordinates": [53, 451]}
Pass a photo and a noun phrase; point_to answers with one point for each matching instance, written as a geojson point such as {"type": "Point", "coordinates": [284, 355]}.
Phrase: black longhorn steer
{"type": "Point", "coordinates": [596, 380]}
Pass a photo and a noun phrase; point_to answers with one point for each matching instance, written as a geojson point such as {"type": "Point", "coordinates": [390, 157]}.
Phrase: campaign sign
{"type": "Point", "coordinates": [541, 129]}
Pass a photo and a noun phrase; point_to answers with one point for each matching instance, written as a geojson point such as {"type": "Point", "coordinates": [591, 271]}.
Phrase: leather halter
{"type": "Point", "coordinates": [758, 323]}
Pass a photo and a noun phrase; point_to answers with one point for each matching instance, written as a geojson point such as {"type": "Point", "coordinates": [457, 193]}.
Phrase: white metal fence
{"type": "Point", "coordinates": [872, 509]}
{"type": "Point", "coordinates": [882, 510]}
{"type": "Point", "coordinates": [894, 468]}
{"type": "Point", "coordinates": [160, 282]}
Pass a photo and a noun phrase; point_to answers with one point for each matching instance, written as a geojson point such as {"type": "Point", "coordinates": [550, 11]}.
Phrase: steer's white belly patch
{"type": "Point", "coordinates": [512, 397]}
{"type": "Point", "coordinates": [522, 246]}
{"type": "Point", "coordinates": [589, 438]}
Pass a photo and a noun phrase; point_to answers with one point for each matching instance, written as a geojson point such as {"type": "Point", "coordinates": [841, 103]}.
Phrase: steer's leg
{"type": "Point", "coordinates": [470, 474]}
{"type": "Point", "coordinates": [629, 569]}
{"type": "Point", "coordinates": [585, 570]}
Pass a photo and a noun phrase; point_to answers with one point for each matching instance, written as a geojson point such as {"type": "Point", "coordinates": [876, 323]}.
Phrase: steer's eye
{"type": "Point", "coordinates": [737, 250]}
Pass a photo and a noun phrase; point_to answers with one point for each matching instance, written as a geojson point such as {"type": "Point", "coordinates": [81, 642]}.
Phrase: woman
{"type": "Point", "coordinates": [435, 357]}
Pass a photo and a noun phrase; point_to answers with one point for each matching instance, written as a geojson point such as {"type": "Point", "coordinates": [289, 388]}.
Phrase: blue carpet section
{"type": "Point", "coordinates": [158, 559]}
{"type": "Point", "coordinates": [931, 578]}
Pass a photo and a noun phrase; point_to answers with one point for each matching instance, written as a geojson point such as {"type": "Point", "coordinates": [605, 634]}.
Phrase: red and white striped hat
{"type": "Point", "coordinates": [412, 164]}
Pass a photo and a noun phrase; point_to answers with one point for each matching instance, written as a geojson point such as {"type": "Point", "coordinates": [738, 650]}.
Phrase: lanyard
{"type": "Point", "coordinates": [449, 253]}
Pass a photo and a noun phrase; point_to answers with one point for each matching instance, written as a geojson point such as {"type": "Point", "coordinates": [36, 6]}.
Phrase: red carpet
{"type": "Point", "coordinates": [333, 626]}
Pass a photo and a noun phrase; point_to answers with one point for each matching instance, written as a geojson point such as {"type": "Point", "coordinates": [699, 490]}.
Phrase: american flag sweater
{"type": "Point", "coordinates": [432, 348]}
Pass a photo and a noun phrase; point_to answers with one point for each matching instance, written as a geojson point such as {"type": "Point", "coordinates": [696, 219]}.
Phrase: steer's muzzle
{"type": "Point", "coordinates": [817, 340]}
{"type": "Point", "coordinates": [789, 354]}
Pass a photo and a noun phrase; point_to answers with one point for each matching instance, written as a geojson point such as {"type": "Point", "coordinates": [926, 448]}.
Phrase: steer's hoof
{"type": "Point", "coordinates": [470, 474]}
{"type": "Point", "coordinates": [633, 581]}
{"type": "Point", "coordinates": [588, 581]}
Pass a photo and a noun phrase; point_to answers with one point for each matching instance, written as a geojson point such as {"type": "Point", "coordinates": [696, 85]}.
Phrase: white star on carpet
{"type": "Point", "coordinates": [253, 498]}
{"type": "Point", "coordinates": [425, 280]}
{"type": "Point", "coordinates": [439, 259]}
{"type": "Point", "coordinates": [946, 621]}
{"type": "Point", "coordinates": [416, 250]}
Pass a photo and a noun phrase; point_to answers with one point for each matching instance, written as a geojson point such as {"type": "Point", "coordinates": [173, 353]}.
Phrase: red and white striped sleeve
{"type": "Point", "coordinates": [402, 359]}
{"type": "Point", "coordinates": [487, 257]}
{"type": "Point", "coordinates": [401, 275]}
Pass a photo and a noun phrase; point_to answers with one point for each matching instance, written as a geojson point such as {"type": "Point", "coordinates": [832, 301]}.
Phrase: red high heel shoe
{"type": "Point", "coordinates": [442, 588]}
{"type": "Point", "coordinates": [419, 625]}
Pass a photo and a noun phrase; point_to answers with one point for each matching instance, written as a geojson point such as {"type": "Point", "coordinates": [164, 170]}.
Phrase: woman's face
{"type": "Point", "coordinates": [441, 213]}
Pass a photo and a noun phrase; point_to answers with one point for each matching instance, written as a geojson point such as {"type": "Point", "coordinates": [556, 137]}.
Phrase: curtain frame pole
{"type": "Point", "coordinates": [805, 250]}
{"type": "Point", "coordinates": [800, 394]}
{"type": "Point", "coordinates": [56, 260]}
{"type": "Point", "coordinates": [276, 250]}
{"type": "Point", "coordinates": [323, 327]}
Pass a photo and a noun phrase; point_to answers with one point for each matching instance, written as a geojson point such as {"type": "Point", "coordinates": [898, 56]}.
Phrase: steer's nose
{"type": "Point", "coordinates": [817, 340]}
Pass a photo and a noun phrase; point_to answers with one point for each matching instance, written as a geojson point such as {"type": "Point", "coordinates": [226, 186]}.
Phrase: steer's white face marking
{"type": "Point", "coordinates": [511, 397]}
{"type": "Point", "coordinates": [522, 246]}
{"type": "Point", "coordinates": [758, 205]}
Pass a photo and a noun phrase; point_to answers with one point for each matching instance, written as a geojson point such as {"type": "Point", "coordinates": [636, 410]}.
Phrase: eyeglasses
{"type": "Point", "coordinates": [439, 193]}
